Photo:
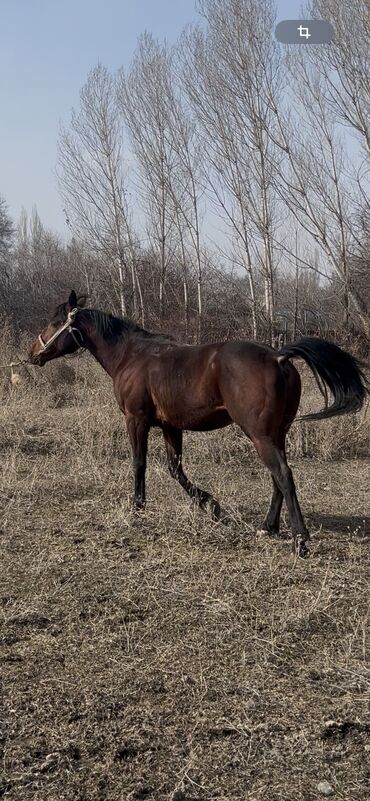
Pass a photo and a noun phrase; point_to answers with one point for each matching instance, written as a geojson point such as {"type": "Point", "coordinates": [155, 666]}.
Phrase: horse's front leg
{"type": "Point", "coordinates": [173, 441]}
{"type": "Point", "coordinates": [138, 431]}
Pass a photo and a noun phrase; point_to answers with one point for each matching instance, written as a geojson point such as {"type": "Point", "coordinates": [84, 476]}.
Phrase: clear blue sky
{"type": "Point", "coordinates": [47, 48]}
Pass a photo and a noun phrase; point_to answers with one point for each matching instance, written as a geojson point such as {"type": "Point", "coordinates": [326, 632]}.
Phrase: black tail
{"type": "Point", "coordinates": [334, 369]}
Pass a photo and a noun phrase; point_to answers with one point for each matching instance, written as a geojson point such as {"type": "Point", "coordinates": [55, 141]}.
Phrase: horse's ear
{"type": "Point", "coordinates": [81, 301]}
{"type": "Point", "coordinates": [72, 300]}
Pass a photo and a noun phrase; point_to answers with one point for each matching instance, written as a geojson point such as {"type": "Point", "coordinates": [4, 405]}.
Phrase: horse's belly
{"type": "Point", "coordinates": [217, 419]}
{"type": "Point", "coordinates": [195, 420]}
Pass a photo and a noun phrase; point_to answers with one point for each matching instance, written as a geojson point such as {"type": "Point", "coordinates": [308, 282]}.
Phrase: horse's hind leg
{"type": "Point", "coordinates": [271, 523]}
{"type": "Point", "coordinates": [173, 442]}
{"type": "Point", "coordinates": [274, 458]}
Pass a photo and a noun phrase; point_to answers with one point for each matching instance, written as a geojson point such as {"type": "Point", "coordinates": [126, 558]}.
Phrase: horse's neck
{"type": "Point", "coordinates": [108, 354]}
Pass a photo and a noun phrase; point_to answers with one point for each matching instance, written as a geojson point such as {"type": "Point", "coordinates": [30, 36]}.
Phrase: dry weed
{"type": "Point", "coordinates": [162, 656]}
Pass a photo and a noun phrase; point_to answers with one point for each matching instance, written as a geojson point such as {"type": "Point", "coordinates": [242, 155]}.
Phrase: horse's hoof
{"type": "Point", "coordinates": [267, 532]}
{"type": "Point", "coordinates": [217, 512]}
{"type": "Point", "coordinates": [301, 548]}
{"type": "Point", "coordinates": [214, 508]}
{"type": "Point", "coordinates": [138, 506]}
{"type": "Point", "coordinates": [224, 518]}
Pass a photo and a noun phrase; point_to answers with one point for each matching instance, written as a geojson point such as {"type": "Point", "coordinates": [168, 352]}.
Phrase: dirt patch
{"type": "Point", "coordinates": [164, 656]}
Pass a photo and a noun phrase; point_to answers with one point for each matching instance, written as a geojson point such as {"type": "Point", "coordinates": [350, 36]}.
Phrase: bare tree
{"type": "Point", "coordinates": [91, 181]}
{"type": "Point", "coordinates": [313, 178]}
{"type": "Point", "coordinates": [345, 65]}
{"type": "Point", "coordinates": [226, 69]}
{"type": "Point", "coordinates": [6, 242]}
{"type": "Point", "coordinates": [316, 189]}
{"type": "Point", "coordinates": [184, 185]}
{"type": "Point", "coordinates": [142, 95]}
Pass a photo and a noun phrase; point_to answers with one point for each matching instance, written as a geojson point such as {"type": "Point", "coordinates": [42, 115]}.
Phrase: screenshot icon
{"type": "Point", "coordinates": [296, 31]}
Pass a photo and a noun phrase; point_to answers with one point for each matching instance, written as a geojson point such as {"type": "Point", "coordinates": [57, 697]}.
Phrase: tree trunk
{"type": "Point", "coordinates": [121, 287]}
{"type": "Point", "coordinates": [200, 308]}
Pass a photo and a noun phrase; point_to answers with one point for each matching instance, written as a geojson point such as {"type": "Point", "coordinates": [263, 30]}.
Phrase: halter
{"type": "Point", "coordinates": [65, 327]}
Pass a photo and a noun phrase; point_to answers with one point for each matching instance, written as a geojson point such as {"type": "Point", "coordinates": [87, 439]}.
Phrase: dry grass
{"type": "Point", "coordinates": [163, 656]}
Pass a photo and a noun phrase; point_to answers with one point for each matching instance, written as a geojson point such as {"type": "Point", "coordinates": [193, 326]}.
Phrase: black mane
{"type": "Point", "coordinates": [111, 328]}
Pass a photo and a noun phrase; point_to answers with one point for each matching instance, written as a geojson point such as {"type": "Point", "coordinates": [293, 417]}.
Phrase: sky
{"type": "Point", "coordinates": [47, 48]}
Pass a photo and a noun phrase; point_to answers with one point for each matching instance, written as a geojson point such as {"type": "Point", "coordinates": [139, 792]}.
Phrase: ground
{"type": "Point", "coordinates": [163, 656]}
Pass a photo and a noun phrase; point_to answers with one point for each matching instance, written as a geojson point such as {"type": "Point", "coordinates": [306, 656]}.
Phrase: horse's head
{"type": "Point", "coordinates": [61, 336]}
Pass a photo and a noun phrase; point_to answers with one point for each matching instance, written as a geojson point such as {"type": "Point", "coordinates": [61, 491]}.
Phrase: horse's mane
{"type": "Point", "coordinates": [112, 328]}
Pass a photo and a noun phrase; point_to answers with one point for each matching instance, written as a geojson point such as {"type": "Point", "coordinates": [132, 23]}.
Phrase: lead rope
{"type": "Point", "coordinates": [14, 364]}
{"type": "Point", "coordinates": [14, 377]}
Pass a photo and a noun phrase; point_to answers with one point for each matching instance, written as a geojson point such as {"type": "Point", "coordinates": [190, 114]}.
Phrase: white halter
{"type": "Point", "coordinates": [66, 326]}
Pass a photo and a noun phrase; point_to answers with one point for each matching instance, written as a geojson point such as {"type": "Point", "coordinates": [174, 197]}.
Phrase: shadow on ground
{"type": "Point", "coordinates": [357, 525]}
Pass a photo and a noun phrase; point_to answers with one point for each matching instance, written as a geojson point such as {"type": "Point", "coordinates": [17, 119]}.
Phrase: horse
{"type": "Point", "coordinates": [177, 388]}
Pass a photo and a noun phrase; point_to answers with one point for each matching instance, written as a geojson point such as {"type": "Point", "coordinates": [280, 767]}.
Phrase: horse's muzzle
{"type": "Point", "coordinates": [37, 359]}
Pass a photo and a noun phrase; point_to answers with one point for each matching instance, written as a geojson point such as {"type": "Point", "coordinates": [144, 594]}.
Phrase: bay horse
{"type": "Point", "coordinates": [203, 387]}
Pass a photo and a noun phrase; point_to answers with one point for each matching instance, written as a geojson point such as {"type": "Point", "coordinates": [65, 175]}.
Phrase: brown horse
{"type": "Point", "coordinates": [204, 387]}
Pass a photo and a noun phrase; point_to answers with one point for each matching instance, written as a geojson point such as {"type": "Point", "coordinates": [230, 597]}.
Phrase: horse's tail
{"type": "Point", "coordinates": [334, 369]}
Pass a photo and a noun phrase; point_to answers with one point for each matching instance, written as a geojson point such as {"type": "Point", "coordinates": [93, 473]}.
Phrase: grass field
{"type": "Point", "coordinates": [163, 656]}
